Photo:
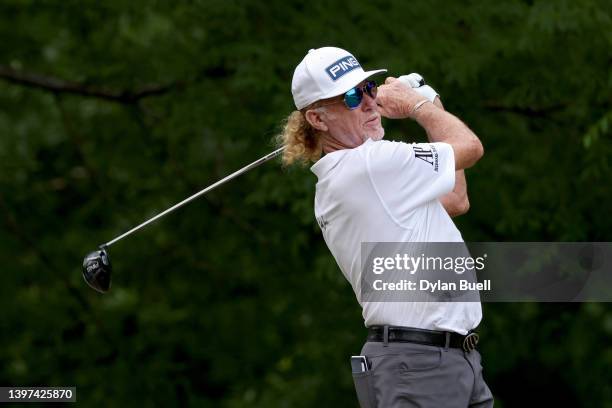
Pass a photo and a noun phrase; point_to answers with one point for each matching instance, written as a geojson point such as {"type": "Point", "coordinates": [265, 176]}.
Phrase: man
{"type": "Point", "coordinates": [370, 190]}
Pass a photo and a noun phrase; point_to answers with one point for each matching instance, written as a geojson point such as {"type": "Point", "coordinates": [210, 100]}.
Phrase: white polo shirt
{"type": "Point", "coordinates": [388, 192]}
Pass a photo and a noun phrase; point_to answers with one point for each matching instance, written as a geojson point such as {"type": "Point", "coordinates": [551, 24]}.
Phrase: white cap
{"type": "Point", "coordinates": [324, 73]}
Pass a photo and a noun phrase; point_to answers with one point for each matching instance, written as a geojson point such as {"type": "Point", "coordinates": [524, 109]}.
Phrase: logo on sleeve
{"type": "Point", "coordinates": [428, 155]}
{"type": "Point", "coordinates": [341, 67]}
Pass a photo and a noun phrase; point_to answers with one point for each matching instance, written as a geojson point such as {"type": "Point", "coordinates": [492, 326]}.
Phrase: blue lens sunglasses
{"type": "Point", "coordinates": [353, 97]}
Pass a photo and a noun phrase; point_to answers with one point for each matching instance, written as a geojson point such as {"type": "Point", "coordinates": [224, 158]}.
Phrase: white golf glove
{"type": "Point", "coordinates": [417, 82]}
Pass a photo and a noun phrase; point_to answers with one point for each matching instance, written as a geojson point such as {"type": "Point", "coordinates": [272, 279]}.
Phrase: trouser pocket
{"type": "Point", "coordinates": [363, 386]}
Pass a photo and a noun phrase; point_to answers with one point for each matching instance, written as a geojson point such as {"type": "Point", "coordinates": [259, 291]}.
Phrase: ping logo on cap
{"type": "Point", "coordinates": [341, 67]}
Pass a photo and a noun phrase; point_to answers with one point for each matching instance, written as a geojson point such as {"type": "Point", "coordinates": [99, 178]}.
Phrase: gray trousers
{"type": "Point", "coordinates": [415, 375]}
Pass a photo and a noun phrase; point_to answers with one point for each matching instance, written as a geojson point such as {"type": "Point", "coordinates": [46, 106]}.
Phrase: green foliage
{"type": "Point", "coordinates": [235, 301]}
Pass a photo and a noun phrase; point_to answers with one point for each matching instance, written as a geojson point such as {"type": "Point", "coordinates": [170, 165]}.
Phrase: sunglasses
{"type": "Point", "coordinates": [353, 97]}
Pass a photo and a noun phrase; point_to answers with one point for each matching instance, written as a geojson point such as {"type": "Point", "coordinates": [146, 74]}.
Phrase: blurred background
{"type": "Point", "coordinates": [113, 111]}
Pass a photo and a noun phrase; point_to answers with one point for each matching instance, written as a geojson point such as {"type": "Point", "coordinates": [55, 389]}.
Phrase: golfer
{"type": "Point", "coordinates": [417, 354]}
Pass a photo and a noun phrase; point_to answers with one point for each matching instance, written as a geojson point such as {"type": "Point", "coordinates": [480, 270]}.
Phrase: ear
{"type": "Point", "coordinates": [314, 117]}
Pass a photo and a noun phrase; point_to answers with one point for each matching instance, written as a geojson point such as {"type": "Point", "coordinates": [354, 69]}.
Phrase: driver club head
{"type": "Point", "coordinates": [97, 270]}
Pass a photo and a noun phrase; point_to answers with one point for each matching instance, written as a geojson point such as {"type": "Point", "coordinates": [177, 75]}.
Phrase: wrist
{"type": "Point", "coordinates": [418, 107]}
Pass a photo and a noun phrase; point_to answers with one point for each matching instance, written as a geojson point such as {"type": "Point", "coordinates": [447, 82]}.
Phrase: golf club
{"type": "Point", "coordinates": [97, 266]}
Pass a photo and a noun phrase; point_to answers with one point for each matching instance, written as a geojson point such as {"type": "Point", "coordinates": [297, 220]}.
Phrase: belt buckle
{"type": "Point", "coordinates": [470, 341]}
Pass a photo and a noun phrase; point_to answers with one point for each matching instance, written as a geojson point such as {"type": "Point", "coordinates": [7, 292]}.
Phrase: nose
{"type": "Point", "coordinates": [368, 103]}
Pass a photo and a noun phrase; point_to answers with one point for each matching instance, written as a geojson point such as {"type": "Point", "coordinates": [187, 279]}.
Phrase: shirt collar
{"type": "Point", "coordinates": [330, 160]}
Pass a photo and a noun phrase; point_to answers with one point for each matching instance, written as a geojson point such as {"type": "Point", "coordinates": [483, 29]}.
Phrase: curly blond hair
{"type": "Point", "coordinates": [302, 142]}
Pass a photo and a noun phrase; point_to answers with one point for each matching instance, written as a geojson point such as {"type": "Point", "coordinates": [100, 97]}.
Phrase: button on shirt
{"type": "Point", "coordinates": [384, 191]}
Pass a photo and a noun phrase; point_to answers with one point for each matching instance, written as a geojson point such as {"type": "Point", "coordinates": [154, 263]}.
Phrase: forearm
{"type": "Point", "coordinates": [456, 202]}
{"type": "Point", "coordinates": [442, 126]}
{"type": "Point", "coordinates": [397, 101]}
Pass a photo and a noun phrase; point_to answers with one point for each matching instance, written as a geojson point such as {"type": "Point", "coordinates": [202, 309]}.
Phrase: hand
{"type": "Point", "coordinates": [413, 80]}
{"type": "Point", "coordinates": [396, 100]}
{"type": "Point", "coordinates": [417, 82]}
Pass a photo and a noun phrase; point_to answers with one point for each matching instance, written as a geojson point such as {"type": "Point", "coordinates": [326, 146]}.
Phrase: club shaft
{"type": "Point", "coordinates": [198, 194]}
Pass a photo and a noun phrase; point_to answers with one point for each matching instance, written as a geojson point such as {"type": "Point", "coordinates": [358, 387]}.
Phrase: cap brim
{"type": "Point", "coordinates": [354, 82]}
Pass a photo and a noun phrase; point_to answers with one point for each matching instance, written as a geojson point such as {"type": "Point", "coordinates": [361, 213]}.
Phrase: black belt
{"type": "Point", "coordinates": [422, 336]}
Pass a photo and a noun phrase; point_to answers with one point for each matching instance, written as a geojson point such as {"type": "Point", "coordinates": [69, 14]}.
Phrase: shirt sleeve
{"type": "Point", "coordinates": [406, 176]}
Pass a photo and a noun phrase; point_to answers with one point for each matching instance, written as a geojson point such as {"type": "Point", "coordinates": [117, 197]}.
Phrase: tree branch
{"type": "Point", "coordinates": [527, 111]}
{"type": "Point", "coordinates": [57, 85]}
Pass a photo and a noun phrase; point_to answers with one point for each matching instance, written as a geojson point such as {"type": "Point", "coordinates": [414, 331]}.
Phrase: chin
{"type": "Point", "coordinates": [377, 135]}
